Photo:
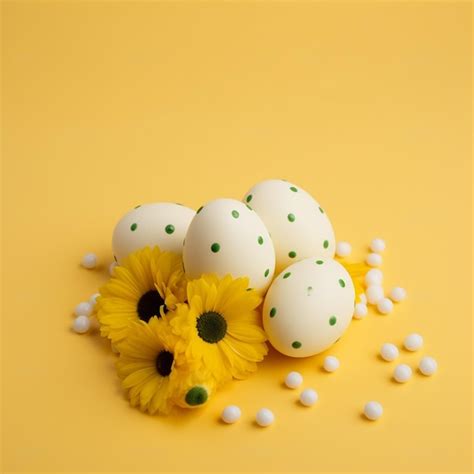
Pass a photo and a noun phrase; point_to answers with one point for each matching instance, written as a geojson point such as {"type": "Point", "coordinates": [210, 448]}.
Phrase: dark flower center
{"type": "Point", "coordinates": [164, 361]}
{"type": "Point", "coordinates": [149, 305]}
{"type": "Point", "coordinates": [211, 327]}
{"type": "Point", "coordinates": [196, 396]}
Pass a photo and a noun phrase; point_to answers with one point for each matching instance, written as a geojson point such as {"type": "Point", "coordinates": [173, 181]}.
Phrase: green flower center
{"type": "Point", "coordinates": [149, 305]}
{"type": "Point", "coordinates": [164, 362]}
{"type": "Point", "coordinates": [196, 396]}
{"type": "Point", "coordinates": [211, 327]}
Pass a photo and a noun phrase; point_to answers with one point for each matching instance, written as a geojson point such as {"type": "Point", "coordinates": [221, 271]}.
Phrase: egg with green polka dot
{"type": "Point", "coordinates": [227, 237]}
{"type": "Point", "coordinates": [299, 226]}
{"type": "Point", "coordinates": [308, 307]}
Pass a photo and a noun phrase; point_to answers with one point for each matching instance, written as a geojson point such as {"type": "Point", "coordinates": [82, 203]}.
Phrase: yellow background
{"type": "Point", "coordinates": [108, 105]}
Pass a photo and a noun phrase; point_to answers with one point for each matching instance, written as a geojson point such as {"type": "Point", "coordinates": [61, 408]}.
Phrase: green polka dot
{"type": "Point", "coordinates": [199, 210]}
{"type": "Point", "coordinates": [296, 344]}
{"type": "Point", "coordinates": [321, 210]}
{"type": "Point", "coordinates": [342, 283]}
{"type": "Point", "coordinates": [291, 217]}
{"type": "Point", "coordinates": [332, 320]}
{"type": "Point", "coordinates": [249, 198]}
{"type": "Point", "coordinates": [326, 244]}
{"type": "Point", "coordinates": [260, 240]}
{"type": "Point", "coordinates": [249, 289]}
{"type": "Point", "coordinates": [215, 247]}
{"type": "Point", "coordinates": [169, 229]}
{"type": "Point", "coordinates": [267, 272]}
{"type": "Point", "coordinates": [319, 262]}
{"type": "Point", "coordinates": [133, 227]}
{"type": "Point", "coordinates": [309, 290]}
{"type": "Point", "coordinates": [235, 214]}
{"type": "Point", "coordinates": [292, 254]}
{"type": "Point", "coordinates": [295, 190]}
{"type": "Point", "coordinates": [249, 207]}
{"type": "Point", "coordinates": [286, 275]}
{"type": "Point", "coordinates": [273, 312]}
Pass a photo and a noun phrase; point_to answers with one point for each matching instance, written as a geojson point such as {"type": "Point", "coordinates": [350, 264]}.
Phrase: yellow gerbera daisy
{"type": "Point", "coordinates": [220, 326]}
{"type": "Point", "coordinates": [147, 283]}
{"type": "Point", "coordinates": [154, 375]}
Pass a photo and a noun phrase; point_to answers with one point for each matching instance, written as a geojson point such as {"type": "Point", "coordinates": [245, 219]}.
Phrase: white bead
{"type": "Point", "coordinates": [373, 410]}
{"type": "Point", "coordinates": [385, 306]}
{"type": "Point", "coordinates": [413, 342]}
{"type": "Point", "coordinates": [83, 309]}
{"type": "Point", "coordinates": [231, 414]}
{"type": "Point", "coordinates": [89, 260]}
{"type": "Point", "coordinates": [389, 352]}
{"type": "Point", "coordinates": [398, 294]}
{"type": "Point", "coordinates": [377, 245]}
{"type": "Point", "coordinates": [93, 299]}
{"type": "Point", "coordinates": [331, 364]}
{"type": "Point", "coordinates": [402, 373]}
{"type": "Point", "coordinates": [293, 380]}
{"type": "Point", "coordinates": [363, 298]}
{"type": "Point", "coordinates": [374, 259]}
{"type": "Point", "coordinates": [112, 268]}
{"type": "Point", "coordinates": [308, 397]}
{"type": "Point", "coordinates": [360, 311]}
{"type": "Point", "coordinates": [428, 366]}
{"type": "Point", "coordinates": [374, 277]}
{"type": "Point", "coordinates": [374, 294]}
{"type": "Point", "coordinates": [264, 417]}
{"type": "Point", "coordinates": [81, 324]}
{"type": "Point", "coordinates": [343, 249]}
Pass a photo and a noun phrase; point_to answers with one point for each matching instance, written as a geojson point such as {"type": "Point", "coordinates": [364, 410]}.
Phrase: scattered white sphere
{"type": "Point", "coordinates": [264, 417]}
{"type": "Point", "coordinates": [331, 364]}
{"type": "Point", "coordinates": [112, 268]}
{"type": "Point", "coordinates": [374, 260]}
{"type": "Point", "coordinates": [374, 294]}
{"type": "Point", "coordinates": [385, 306]}
{"type": "Point", "coordinates": [231, 414]}
{"type": "Point", "coordinates": [93, 299]}
{"type": "Point", "coordinates": [373, 410]}
{"type": "Point", "coordinates": [389, 352]}
{"type": "Point", "coordinates": [373, 277]}
{"type": "Point", "coordinates": [293, 380]}
{"type": "Point", "coordinates": [360, 311]}
{"type": "Point", "coordinates": [398, 294]}
{"type": "Point", "coordinates": [343, 249]}
{"type": "Point", "coordinates": [308, 397]}
{"type": "Point", "coordinates": [402, 373]}
{"type": "Point", "coordinates": [413, 342]}
{"type": "Point", "coordinates": [83, 309]}
{"type": "Point", "coordinates": [89, 260]}
{"type": "Point", "coordinates": [81, 324]}
{"type": "Point", "coordinates": [377, 245]}
{"type": "Point", "coordinates": [428, 366]}
{"type": "Point", "coordinates": [362, 298]}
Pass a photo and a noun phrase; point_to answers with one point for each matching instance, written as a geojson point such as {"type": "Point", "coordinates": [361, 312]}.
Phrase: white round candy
{"type": "Point", "coordinates": [374, 259]}
{"type": "Point", "coordinates": [385, 306]}
{"type": "Point", "coordinates": [343, 249]}
{"type": "Point", "coordinates": [293, 380]}
{"type": "Point", "coordinates": [374, 294]}
{"type": "Point", "coordinates": [373, 410]}
{"type": "Point", "coordinates": [231, 414]}
{"type": "Point", "coordinates": [308, 307]}
{"type": "Point", "coordinates": [413, 342]}
{"type": "Point", "coordinates": [89, 260]}
{"type": "Point", "coordinates": [402, 373]}
{"type": "Point", "coordinates": [389, 352]}
{"type": "Point", "coordinates": [163, 224]}
{"type": "Point", "coordinates": [297, 223]}
{"type": "Point", "coordinates": [93, 299]}
{"type": "Point", "coordinates": [331, 363]}
{"type": "Point", "coordinates": [83, 309]}
{"type": "Point", "coordinates": [360, 311]}
{"type": "Point", "coordinates": [377, 245]}
{"type": "Point", "coordinates": [226, 237]}
{"type": "Point", "coordinates": [398, 294]}
{"type": "Point", "coordinates": [308, 397]}
{"type": "Point", "coordinates": [264, 417]}
{"type": "Point", "coordinates": [373, 277]}
{"type": "Point", "coordinates": [81, 324]}
{"type": "Point", "coordinates": [112, 268]}
{"type": "Point", "coordinates": [428, 366]}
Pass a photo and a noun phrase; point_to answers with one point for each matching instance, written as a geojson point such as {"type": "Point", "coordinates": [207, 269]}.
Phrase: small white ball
{"type": "Point", "coordinates": [413, 342]}
{"type": "Point", "coordinates": [362, 298]}
{"type": "Point", "coordinates": [83, 309]}
{"type": "Point", "coordinates": [374, 277]}
{"type": "Point", "coordinates": [81, 324]}
{"type": "Point", "coordinates": [377, 245]}
{"type": "Point", "coordinates": [428, 366]}
{"type": "Point", "coordinates": [308, 397]}
{"type": "Point", "coordinates": [293, 380]}
{"type": "Point", "coordinates": [231, 414]}
{"type": "Point", "coordinates": [93, 299]}
{"type": "Point", "coordinates": [112, 268]}
{"type": "Point", "coordinates": [360, 311]}
{"type": "Point", "coordinates": [374, 260]}
{"type": "Point", "coordinates": [343, 249]}
{"type": "Point", "coordinates": [402, 373]}
{"type": "Point", "coordinates": [373, 410]}
{"type": "Point", "coordinates": [89, 260]}
{"type": "Point", "coordinates": [374, 294]}
{"type": "Point", "coordinates": [264, 417]}
{"type": "Point", "coordinates": [398, 294]}
{"type": "Point", "coordinates": [331, 364]}
{"type": "Point", "coordinates": [385, 306]}
{"type": "Point", "coordinates": [389, 352]}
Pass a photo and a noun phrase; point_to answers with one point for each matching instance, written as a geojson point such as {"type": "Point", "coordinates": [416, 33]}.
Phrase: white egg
{"type": "Point", "coordinates": [308, 307]}
{"type": "Point", "coordinates": [297, 223]}
{"type": "Point", "coordinates": [227, 237]}
{"type": "Point", "coordinates": [164, 224]}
